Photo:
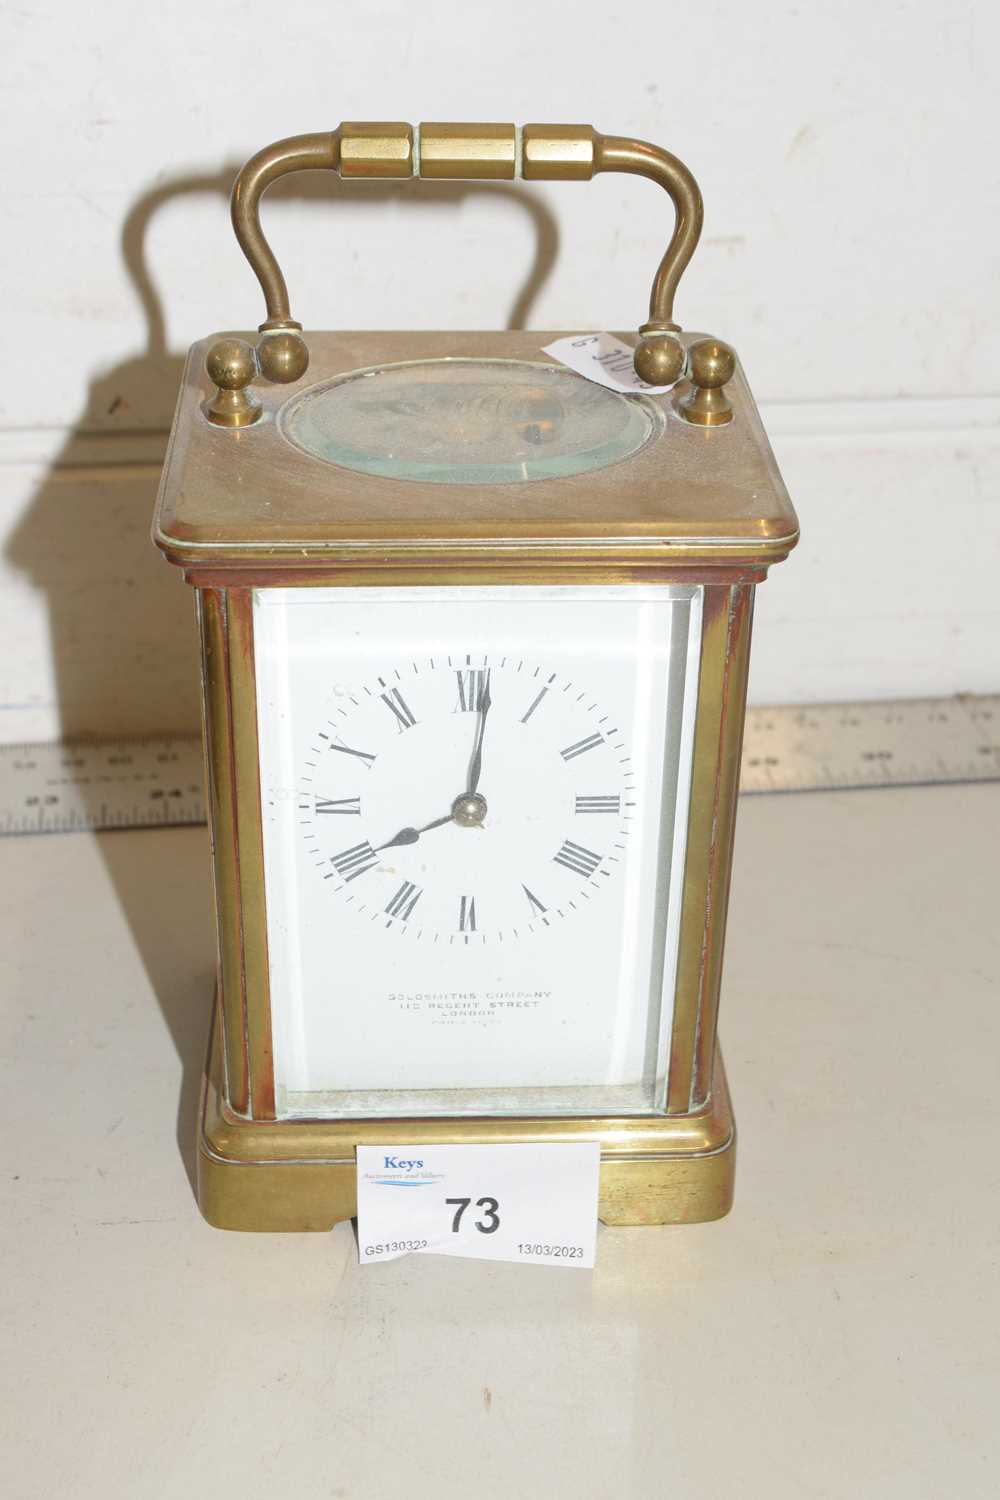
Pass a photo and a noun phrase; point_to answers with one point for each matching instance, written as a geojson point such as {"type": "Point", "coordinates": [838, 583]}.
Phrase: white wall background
{"type": "Point", "coordinates": [847, 154]}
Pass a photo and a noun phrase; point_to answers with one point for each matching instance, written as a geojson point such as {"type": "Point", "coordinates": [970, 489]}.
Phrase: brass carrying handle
{"type": "Point", "coordinates": [394, 150]}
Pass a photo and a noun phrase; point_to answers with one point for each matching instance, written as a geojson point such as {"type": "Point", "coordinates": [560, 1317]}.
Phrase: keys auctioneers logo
{"type": "Point", "coordinates": [403, 1171]}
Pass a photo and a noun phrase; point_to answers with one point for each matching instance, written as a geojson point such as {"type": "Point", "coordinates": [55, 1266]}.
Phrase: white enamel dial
{"type": "Point", "coordinates": [474, 812]}
{"type": "Point", "coordinates": [465, 798]}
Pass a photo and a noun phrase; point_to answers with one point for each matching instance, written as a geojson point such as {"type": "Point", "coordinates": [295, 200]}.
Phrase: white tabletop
{"type": "Point", "coordinates": [837, 1335]}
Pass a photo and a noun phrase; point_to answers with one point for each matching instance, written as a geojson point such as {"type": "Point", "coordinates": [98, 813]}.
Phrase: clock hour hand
{"type": "Point", "coordinates": [476, 763]}
{"type": "Point", "coordinates": [411, 835]}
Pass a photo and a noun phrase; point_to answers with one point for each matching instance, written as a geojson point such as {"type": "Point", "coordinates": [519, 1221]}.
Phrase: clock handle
{"type": "Point", "coordinates": [455, 152]}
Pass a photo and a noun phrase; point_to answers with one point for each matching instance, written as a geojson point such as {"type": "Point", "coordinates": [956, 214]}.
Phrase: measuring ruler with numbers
{"type": "Point", "coordinates": [157, 781]}
{"type": "Point", "coordinates": [149, 782]}
{"type": "Point", "coordinates": [903, 742]}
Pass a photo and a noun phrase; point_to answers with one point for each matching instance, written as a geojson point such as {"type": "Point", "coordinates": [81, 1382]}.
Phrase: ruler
{"type": "Point", "coordinates": [150, 782]}
{"type": "Point", "coordinates": [903, 742]}
{"type": "Point", "coordinates": [157, 781]}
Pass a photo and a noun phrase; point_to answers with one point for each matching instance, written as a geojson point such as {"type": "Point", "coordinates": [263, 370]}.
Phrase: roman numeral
{"type": "Point", "coordinates": [472, 685]}
{"type": "Point", "coordinates": [599, 804]}
{"type": "Point", "coordinates": [351, 863]}
{"type": "Point", "coordinates": [404, 900]}
{"type": "Point", "coordinates": [339, 745]}
{"type": "Point", "coordinates": [467, 914]}
{"type": "Point", "coordinates": [533, 902]}
{"type": "Point", "coordinates": [394, 700]}
{"type": "Point", "coordinates": [582, 746]}
{"type": "Point", "coordinates": [338, 805]}
{"type": "Point", "coordinates": [578, 859]}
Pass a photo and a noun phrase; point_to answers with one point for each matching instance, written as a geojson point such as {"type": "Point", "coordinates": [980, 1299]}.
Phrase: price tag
{"type": "Point", "coordinates": [605, 359]}
{"type": "Point", "coordinates": [534, 1204]}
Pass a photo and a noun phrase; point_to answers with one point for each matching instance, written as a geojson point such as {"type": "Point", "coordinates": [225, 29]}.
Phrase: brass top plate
{"type": "Point", "coordinates": [248, 496]}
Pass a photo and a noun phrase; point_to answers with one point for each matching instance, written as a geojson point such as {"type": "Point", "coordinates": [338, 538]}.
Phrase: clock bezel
{"type": "Point", "coordinates": [324, 1011]}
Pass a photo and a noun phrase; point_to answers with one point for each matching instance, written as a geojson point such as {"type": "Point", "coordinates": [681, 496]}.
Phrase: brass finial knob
{"type": "Point", "coordinates": [232, 364]}
{"type": "Point", "coordinates": [711, 365]}
{"type": "Point", "coordinates": [659, 358]}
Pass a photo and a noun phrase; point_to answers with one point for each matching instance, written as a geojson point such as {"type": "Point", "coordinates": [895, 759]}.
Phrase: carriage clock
{"type": "Point", "coordinates": [474, 635]}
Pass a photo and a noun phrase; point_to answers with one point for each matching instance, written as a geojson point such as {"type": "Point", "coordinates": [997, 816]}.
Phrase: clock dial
{"type": "Point", "coordinates": [474, 806]}
{"type": "Point", "coordinates": [493, 798]}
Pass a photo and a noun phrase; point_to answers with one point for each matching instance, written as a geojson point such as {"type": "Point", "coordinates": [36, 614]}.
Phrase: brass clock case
{"type": "Point", "coordinates": [258, 491]}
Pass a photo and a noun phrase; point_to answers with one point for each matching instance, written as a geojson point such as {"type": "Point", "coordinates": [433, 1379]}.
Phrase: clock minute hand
{"type": "Point", "coordinates": [411, 835]}
{"type": "Point", "coordinates": [476, 763]}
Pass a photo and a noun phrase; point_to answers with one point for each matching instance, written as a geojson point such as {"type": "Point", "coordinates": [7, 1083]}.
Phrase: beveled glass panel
{"type": "Point", "coordinates": [513, 956]}
{"type": "Point", "coordinates": [469, 421]}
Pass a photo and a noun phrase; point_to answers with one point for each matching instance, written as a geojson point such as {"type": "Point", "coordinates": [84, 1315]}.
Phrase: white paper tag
{"type": "Point", "coordinates": [605, 359]}
{"type": "Point", "coordinates": [534, 1204]}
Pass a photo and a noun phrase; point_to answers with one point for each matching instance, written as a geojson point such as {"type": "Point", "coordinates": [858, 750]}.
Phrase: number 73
{"type": "Point", "coordinates": [491, 1214]}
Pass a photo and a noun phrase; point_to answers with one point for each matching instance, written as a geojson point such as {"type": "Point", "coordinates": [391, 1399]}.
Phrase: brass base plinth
{"type": "Point", "coordinates": [300, 1175]}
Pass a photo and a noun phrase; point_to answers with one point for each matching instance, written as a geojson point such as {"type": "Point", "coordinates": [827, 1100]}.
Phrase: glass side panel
{"type": "Point", "coordinates": [468, 421]}
{"type": "Point", "coordinates": [474, 807]}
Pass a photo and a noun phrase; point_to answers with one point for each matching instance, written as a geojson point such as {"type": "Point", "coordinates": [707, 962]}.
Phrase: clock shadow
{"type": "Point", "coordinates": [120, 621]}
{"type": "Point", "coordinates": [162, 882]}
{"type": "Point", "coordinates": [121, 626]}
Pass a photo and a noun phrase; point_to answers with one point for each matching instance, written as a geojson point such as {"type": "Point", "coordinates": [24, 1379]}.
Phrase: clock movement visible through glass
{"type": "Point", "coordinates": [469, 421]}
{"type": "Point", "coordinates": [474, 808]}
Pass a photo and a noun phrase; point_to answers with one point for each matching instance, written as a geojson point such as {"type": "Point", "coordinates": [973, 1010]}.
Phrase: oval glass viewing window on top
{"type": "Point", "coordinates": [468, 421]}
